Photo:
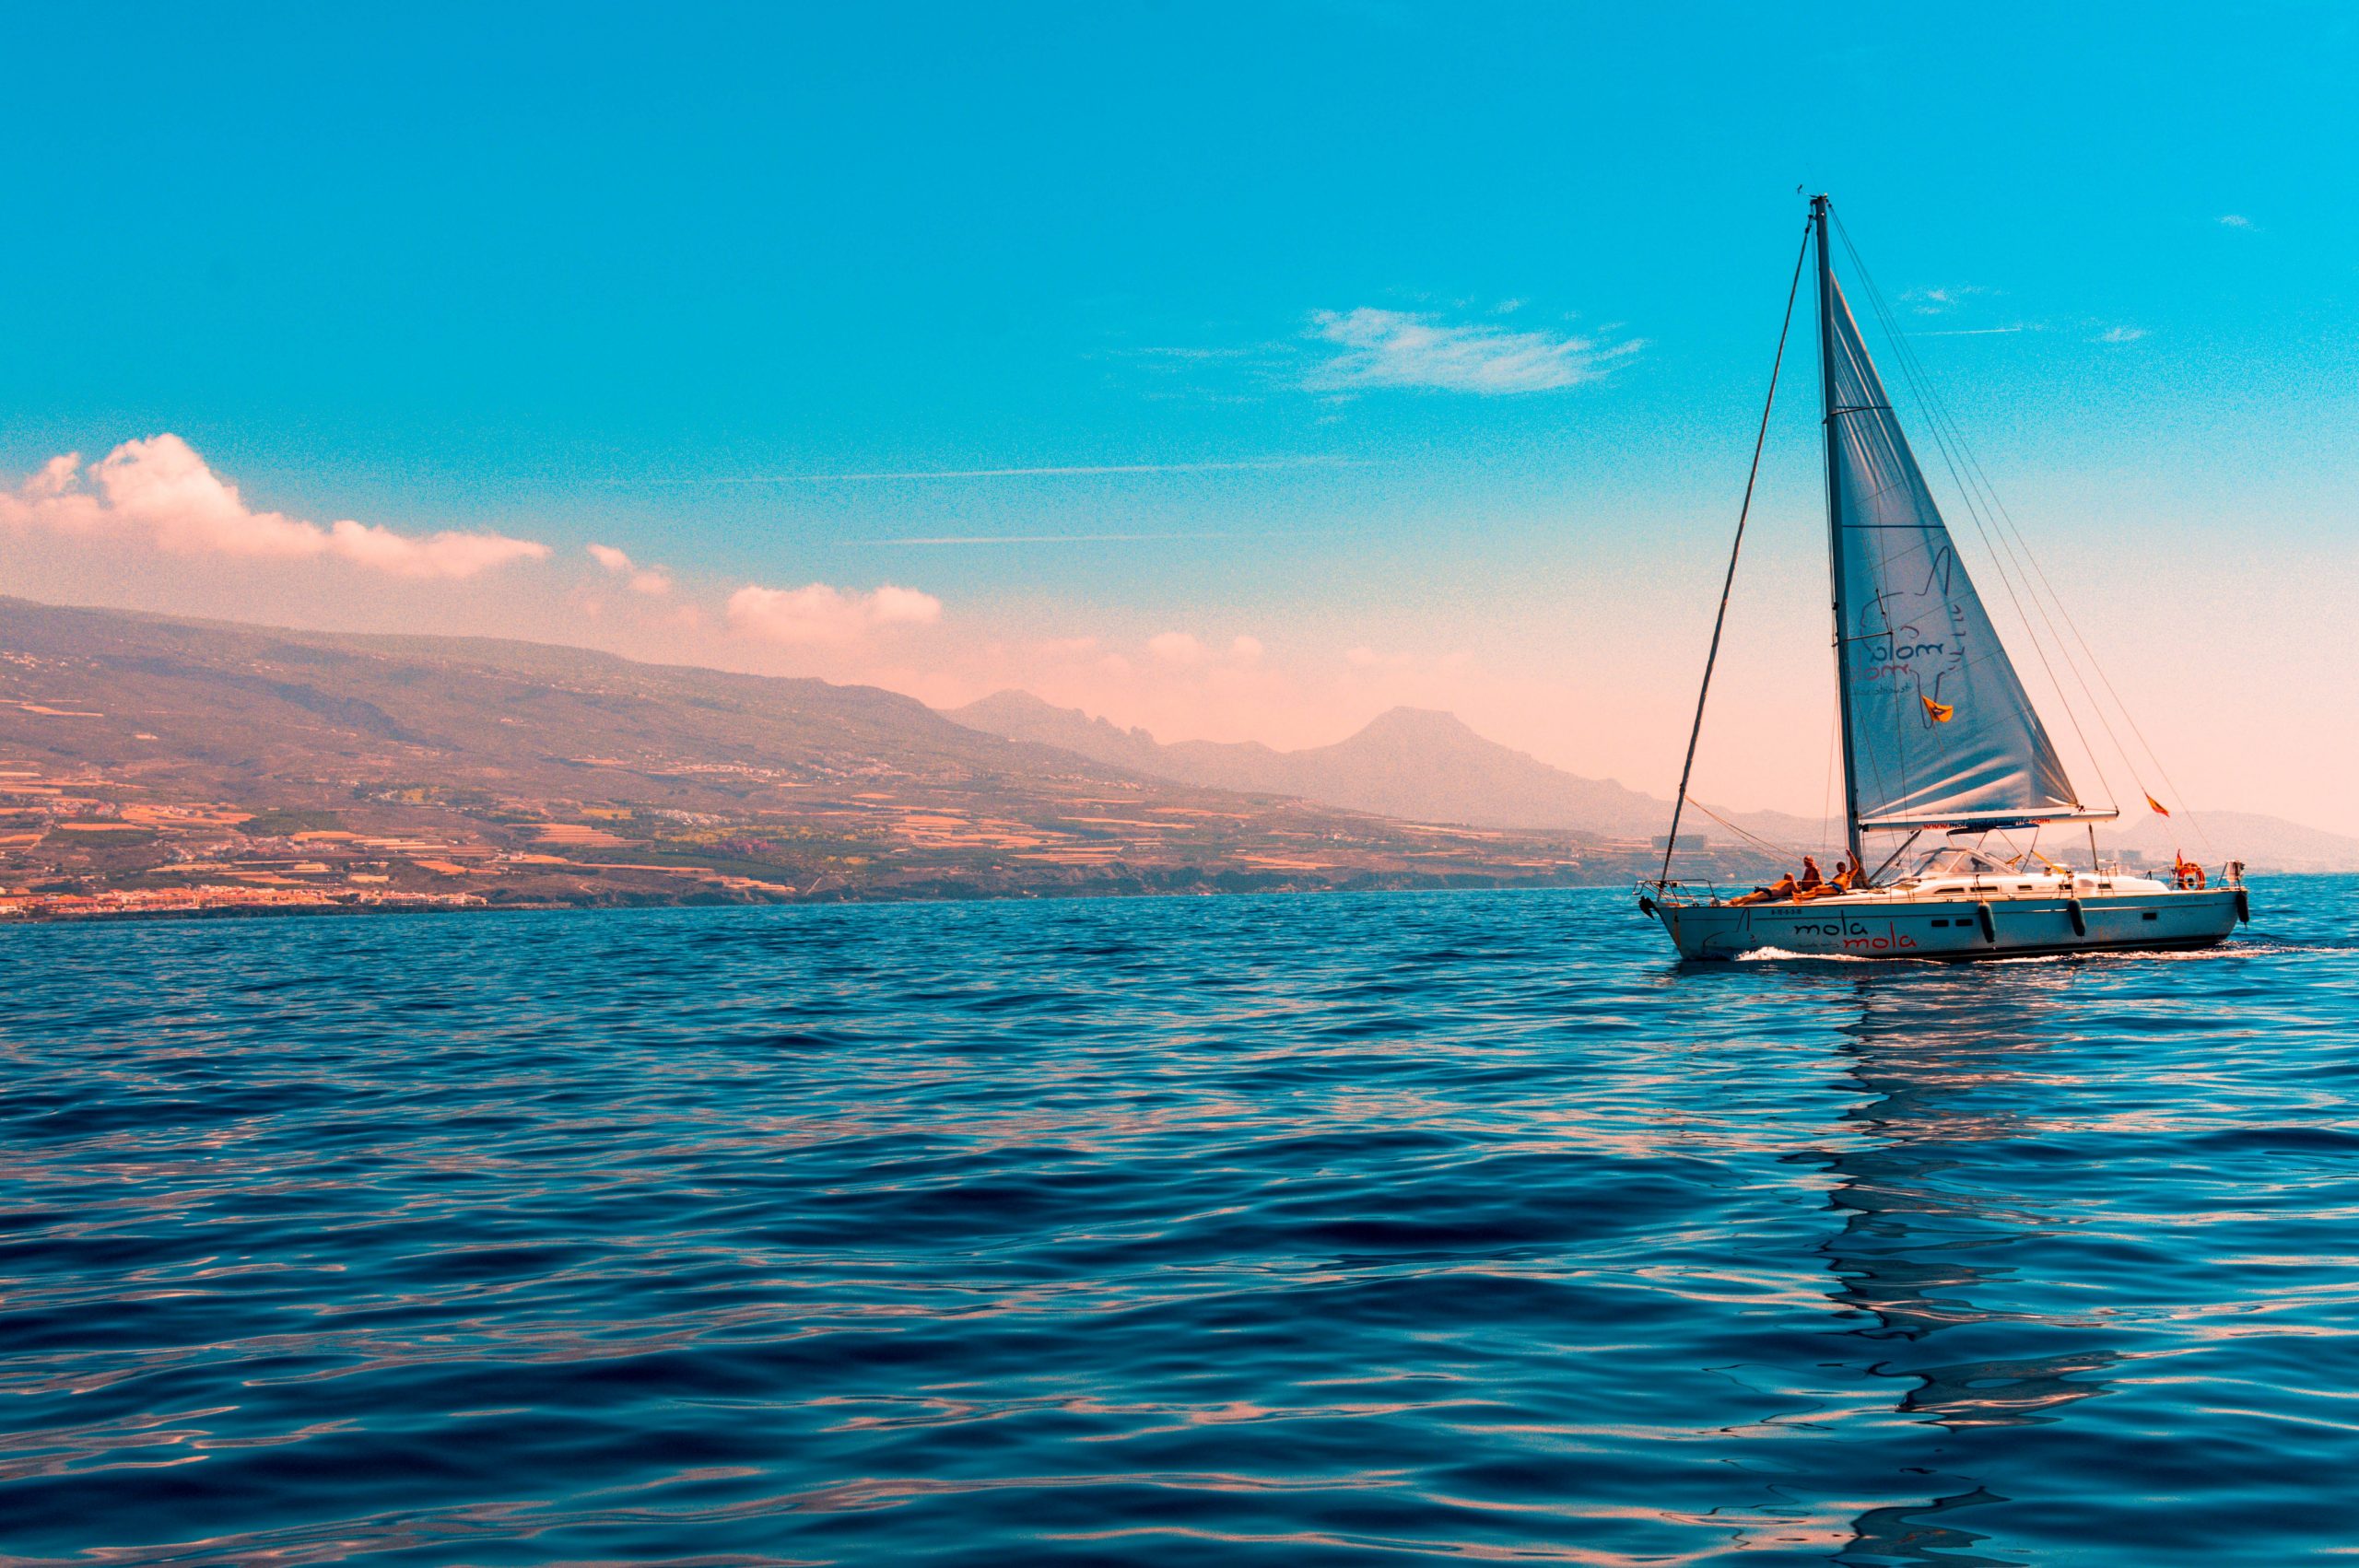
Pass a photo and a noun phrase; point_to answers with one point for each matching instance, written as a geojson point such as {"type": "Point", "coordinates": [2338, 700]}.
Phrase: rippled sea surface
{"type": "Point", "coordinates": [1210, 1230]}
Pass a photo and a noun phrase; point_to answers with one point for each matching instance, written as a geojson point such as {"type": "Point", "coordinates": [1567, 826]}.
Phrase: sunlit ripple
{"type": "Point", "coordinates": [1251, 1230]}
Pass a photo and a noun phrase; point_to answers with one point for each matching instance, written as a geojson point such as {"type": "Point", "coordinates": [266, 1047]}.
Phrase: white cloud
{"type": "Point", "coordinates": [643, 580]}
{"type": "Point", "coordinates": [817, 614]}
{"type": "Point", "coordinates": [160, 490]}
{"type": "Point", "coordinates": [1176, 648]}
{"type": "Point", "coordinates": [2121, 334]}
{"type": "Point", "coordinates": [2234, 220]}
{"type": "Point", "coordinates": [1393, 348]}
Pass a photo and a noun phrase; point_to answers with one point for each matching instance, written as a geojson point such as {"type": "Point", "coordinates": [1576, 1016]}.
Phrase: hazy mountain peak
{"type": "Point", "coordinates": [1422, 726]}
{"type": "Point", "coordinates": [1422, 764]}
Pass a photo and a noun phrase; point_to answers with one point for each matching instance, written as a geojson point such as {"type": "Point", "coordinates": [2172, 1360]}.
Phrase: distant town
{"type": "Point", "coordinates": [85, 846]}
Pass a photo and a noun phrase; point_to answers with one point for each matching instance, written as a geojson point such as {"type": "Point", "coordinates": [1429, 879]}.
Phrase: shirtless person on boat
{"type": "Point", "coordinates": [1847, 877]}
{"type": "Point", "coordinates": [1783, 888]}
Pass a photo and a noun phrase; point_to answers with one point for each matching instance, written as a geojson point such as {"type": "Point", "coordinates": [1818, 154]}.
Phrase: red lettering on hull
{"type": "Point", "coordinates": [1890, 941]}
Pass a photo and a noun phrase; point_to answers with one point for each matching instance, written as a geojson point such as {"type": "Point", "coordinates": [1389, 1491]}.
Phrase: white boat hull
{"type": "Point", "coordinates": [1879, 926]}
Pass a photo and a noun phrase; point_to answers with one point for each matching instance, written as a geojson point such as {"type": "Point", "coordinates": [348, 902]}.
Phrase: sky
{"type": "Point", "coordinates": [1234, 372]}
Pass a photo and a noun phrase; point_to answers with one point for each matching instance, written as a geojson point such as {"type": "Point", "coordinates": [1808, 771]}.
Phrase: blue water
{"type": "Point", "coordinates": [1213, 1231]}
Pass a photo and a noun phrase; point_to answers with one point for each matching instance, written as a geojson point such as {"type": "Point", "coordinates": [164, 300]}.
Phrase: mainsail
{"type": "Point", "coordinates": [1940, 728]}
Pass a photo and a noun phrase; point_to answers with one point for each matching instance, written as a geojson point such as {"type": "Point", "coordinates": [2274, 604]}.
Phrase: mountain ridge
{"type": "Point", "coordinates": [1426, 764]}
{"type": "Point", "coordinates": [1418, 764]}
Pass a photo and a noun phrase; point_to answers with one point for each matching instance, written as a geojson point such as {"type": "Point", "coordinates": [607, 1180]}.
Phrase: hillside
{"type": "Point", "coordinates": [142, 753]}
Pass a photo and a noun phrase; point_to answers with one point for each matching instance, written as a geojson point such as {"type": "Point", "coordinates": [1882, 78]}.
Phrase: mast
{"type": "Point", "coordinates": [1835, 521]}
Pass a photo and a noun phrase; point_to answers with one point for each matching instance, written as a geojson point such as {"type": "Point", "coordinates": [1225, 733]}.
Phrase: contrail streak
{"type": "Point", "coordinates": [1061, 471]}
{"type": "Point", "coordinates": [1076, 538]}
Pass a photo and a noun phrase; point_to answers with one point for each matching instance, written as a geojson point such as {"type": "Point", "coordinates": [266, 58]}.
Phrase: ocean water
{"type": "Point", "coordinates": [1242, 1231]}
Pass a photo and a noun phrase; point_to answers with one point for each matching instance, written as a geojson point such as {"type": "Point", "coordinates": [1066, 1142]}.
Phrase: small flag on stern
{"type": "Point", "coordinates": [1940, 710]}
{"type": "Point", "coordinates": [2159, 808]}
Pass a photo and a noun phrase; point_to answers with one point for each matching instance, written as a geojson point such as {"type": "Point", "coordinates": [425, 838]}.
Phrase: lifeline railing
{"type": "Point", "coordinates": [1652, 891]}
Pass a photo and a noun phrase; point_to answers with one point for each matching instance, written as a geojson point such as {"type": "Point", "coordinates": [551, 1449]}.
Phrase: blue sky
{"type": "Point", "coordinates": [1434, 332]}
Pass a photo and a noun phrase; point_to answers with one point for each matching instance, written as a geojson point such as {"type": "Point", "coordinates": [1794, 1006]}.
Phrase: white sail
{"type": "Point", "coordinates": [1941, 729]}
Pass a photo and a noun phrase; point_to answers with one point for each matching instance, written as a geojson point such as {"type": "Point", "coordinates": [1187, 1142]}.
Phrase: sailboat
{"type": "Point", "coordinates": [1938, 738]}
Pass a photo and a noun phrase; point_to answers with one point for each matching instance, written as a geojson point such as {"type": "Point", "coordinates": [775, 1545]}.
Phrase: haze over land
{"type": "Point", "coordinates": [138, 753]}
{"type": "Point", "coordinates": [144, 756]}
{"type": "Point", "coordinates": [1432, 767]}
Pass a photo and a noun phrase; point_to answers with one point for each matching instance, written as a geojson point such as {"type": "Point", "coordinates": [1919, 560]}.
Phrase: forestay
{"type": "Point", "coordinates": [1940, 727]}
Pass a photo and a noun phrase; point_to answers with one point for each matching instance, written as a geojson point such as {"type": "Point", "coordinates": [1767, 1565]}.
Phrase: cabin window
{"type": "Point", "coordinates": [2147, 915]}
{"type": "Point", "coordinates": [1941, 922]}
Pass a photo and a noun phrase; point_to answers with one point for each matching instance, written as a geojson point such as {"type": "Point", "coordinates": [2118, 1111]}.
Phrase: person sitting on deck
{"type": "Point", "coordinates": [1783, 888]}
{"type": "Point", "coordinates": [1812, 881]}
{"type": "Point", "coordinates": [1847, 877]}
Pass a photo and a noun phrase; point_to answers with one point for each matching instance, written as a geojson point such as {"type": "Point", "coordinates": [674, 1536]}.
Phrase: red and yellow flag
{"type": "Point", "coordinates": [1940, 710]}
{"type": "Point", "coordinates": [2160, 808]}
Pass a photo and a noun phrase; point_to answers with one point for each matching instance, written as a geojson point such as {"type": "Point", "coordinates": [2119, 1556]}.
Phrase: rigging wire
{"type": "Point", "coordinates": [1985, 509]}
{"type": "Point", "coordinates": [1727, 583]}
{"type": "Point", "coordinates": [2035, 576]}
{"type": "Point", "coordinates": [1783, 851]}
{"type": "Point", "coordinates": [2037, 583]}
{"type": "Point", "coordinates": [1827, 801]}
{"type": "Point", "coordinates": [1949, 440]}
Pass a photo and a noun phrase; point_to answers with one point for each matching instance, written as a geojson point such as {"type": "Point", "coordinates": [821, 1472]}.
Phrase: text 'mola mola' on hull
{"type": "Point", "coordinates": [1940, 738]}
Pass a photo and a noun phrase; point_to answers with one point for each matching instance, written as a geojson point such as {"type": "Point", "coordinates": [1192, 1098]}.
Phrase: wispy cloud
{"type": "Point", "coordinates": [1396, 348]}
{"type": "Point", "coordinates": [1185, 650]}
{"type": "Point", "coordinates": [1941, 300]}
{"type": "Point", "coordinates": [1055, 471]}
{"type": "Point", "coordinates": [2234, 220]}
{"type": "Point", "coordinates": [2120, 334]}
{"type": "Point", "coordinates": [818, 614]}
{"type": "Point", "coordinates": [162, 491]}
{"type": "Point", "coordinates": [1178, 647]}
{"type": "Point", "coordinates": [643, 580]}
{"type": "Point", "coordinates": [1978, 332]}
{"type": "Point", "coordinates": [1084, 538]}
